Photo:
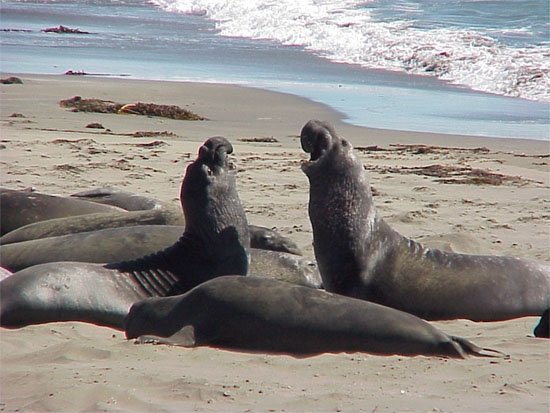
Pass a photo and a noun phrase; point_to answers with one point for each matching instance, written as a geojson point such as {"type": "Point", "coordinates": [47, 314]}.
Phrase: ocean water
{"type": "Point", "coordinates": [450, 66]}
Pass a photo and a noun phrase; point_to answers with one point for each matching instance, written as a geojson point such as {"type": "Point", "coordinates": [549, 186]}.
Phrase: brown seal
{"type": "Point", "coordinates": [360, 255]}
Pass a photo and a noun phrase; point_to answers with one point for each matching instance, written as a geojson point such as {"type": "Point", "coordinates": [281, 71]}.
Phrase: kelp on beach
{"type": "Point", "coordinates": [78, 104]}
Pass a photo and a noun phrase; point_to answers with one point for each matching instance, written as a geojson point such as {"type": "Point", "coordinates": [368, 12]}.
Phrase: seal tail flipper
{"type": "Point", "coordinates": [183, 338]}
{"type": "Point", "coordinates": [542, 330]}
{"type": "Point", "coordinates": [465, 348]}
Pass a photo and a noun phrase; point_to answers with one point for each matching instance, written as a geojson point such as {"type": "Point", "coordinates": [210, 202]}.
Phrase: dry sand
{"type": "Point", "coordinates": [79, 367]}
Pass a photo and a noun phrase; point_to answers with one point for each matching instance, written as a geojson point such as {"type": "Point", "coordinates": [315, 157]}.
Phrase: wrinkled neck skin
{"type": "Point", "coordinates": [346, 226]}
{"type": "Point", "coordinates": [214, 214]}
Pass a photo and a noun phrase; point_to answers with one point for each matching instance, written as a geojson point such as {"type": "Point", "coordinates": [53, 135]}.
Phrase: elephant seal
{"type": "Point", "coordinates": [92, 222]}
{"type": "Point", "coordinates": [258, 314]}
{"type": "Point", "coordinates": [360, 256]}
{"type": "Point", "coordinates": [129, 243]}
{"type": "Point", "coordinates": [20, 208]}
{"type": "Point", "coordinates": [119, 198]}
{"type": "Point", "coordinates": [260, 237]}
{"type": "Point", "coordinates": [283, 266]}
{"type": "Point", "coordinates": [268, 239]}
{"type": "Point", "coordinates": [101, 246]}
{"type": "Point", "coordinates": [215, 242]}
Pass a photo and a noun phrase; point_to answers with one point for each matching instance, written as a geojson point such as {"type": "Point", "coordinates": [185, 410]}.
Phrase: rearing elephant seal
{"type": "Point", "coordinates": [259, 314]}
{"type": "Point", "coordinates": [215, 242]}
{"type": "Point", "coordinates": [359, 255]}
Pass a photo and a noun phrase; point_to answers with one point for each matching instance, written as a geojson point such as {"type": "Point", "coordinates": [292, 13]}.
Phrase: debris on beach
{"type": "Point", "coordinates": [64, 30]}
{"type": "Point", "coordinates": [449, 174]}
{"type": "Point", "coordinates": [152, 144]}
{"type": "Point", "coordinates": [16, 30]}
{"type": "Point", "coordinates": [77, 104]}
{"type": "Point", "coordinates": [12, 80]}
{"type": "Point", "coordinates": [260, 139]}
{"type": "Point", "coordinates": [164, 111]}
{"type": "Point", "coordinates": [95, 125]}
{"type": "Point", "coordinates": [420, 149]}
{"type": "Point", "coordinates": [148, 134]}
{"type": "Point", "coordinates": [90, 105]}
{"type": "Point", "coordinates": [83, 73]}
{"type": "Point", "coordinates": [75, 73]}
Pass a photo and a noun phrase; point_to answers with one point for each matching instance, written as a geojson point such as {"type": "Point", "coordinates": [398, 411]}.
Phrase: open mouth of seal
{"type": "Point", "coordinates": [316, 153]}
{"type": "Point", "coordinates": [213, 153]}
{"type": "Point", "coordinates": [316, 139]}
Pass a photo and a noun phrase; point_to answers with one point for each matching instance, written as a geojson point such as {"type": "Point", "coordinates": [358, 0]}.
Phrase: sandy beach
{"type": "Point", "coordinates": [427, 186]}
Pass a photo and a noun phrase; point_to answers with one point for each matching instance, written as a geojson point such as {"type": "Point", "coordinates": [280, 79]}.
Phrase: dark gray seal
{"type": "Point", "coordinates": [215, 242]}
{"type": "Point", "coordinates": [263, 315]}
{"type": "Point", "coordinates": [101, 246]}
{"type": "Point", "coordinates": [119, 198]}
{"type": "Point", "coordinates": [360, 256]}
{"type": "Point", "coordinates": [268, 239]}
{"type": "Point", "coordinates": [21, 208]}
{"type": "Point", "coordinates": [92, 222]}
{"type": "Point", "coordinates": [129, 243]}
{"type": "Point", "coordinates": [260, 237]}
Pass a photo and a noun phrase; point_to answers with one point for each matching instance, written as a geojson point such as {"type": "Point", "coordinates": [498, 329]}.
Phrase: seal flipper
{"type": "Point", "coordinates": [184, 337]}
{"type": "Point", "coordinates": [465, 348]}
{"type": "Point", "coordinates": [542, 330]}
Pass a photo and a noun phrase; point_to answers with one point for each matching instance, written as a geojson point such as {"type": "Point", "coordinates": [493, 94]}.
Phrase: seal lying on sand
{"type": "Point", "coordinates": [258, 314]}
{"type": "Point", "coordinates": [122, 199]}
{"type": "Point", "coordinates": [153, 212]}
{"type": "Point", "coordinates": [92, 222]}
{"type": "Point", "coordinates": [359, 255]}
{"type": "Point", "coordinates": [268, 239]}
{"type": "Point", "coordinates": [128, 243]}
{"type": "Point", "coordinates": [20, 208]}
{"type": "Point", "coordinates": [215, 242]}
{"type": "Point", "coordinates": [260, 237]}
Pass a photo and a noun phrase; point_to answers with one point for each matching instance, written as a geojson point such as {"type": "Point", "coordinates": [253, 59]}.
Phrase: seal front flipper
{"type": "Point", "coordinates": [182, 338]}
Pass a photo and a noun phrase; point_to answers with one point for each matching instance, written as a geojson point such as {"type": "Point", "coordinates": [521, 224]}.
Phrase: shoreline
{"type": "Point", "coordinates": [375, 136]}
{"type": "Point", "coordinates": [81, 367]}
{"type": "Point", "coordinates": [376, 98]}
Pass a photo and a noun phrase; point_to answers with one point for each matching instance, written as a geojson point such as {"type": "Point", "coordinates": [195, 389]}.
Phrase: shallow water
{"type": "Point", "coordinates": [138, 39]}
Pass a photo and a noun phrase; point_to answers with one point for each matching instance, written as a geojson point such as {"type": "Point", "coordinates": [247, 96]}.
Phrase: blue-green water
{"type": "Point", "coordinates": [174, 40]}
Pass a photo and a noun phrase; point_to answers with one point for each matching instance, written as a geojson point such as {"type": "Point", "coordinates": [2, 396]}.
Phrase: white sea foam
{"type": "Point", "coordinates": [345, 32]}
